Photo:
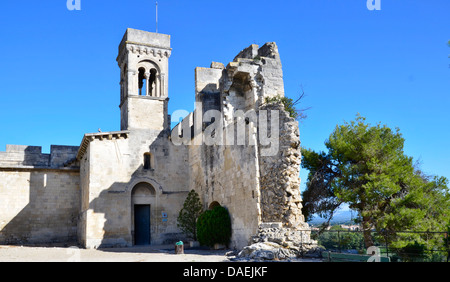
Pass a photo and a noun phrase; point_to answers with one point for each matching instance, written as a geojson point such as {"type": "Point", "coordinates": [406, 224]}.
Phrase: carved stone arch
{"type": "Point", "coordinates": [157, 187]}
{"type": "Point", "coordinates": [152, 76]}
{"type": "Point", "coordinates": [143, 189]}
{"type": "Point", "coordinates": [149, 64]}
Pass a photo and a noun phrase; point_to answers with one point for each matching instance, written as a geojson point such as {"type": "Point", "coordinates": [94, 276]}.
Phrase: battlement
{"type": "Point", "coordinates": [20, 156]}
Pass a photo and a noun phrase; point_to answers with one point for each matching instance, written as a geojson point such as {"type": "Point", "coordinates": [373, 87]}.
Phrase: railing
{"type": "Point", "coordinates": [430, 246]}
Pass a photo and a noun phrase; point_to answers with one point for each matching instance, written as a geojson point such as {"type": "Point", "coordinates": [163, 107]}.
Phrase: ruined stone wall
{"type": "Point", "coordinates": [228, 175]}
{"type": "Point", "coordinates": [280, 182]}
{"type": "Point", "coordinates": [256, 183]}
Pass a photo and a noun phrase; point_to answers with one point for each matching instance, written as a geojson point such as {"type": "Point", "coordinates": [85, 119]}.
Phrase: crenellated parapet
{"type": "Point", "coordinates": [31, 157]}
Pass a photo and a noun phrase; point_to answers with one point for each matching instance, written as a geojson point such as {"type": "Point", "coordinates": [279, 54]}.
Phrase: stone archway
{"type": "Point", "coordinates": [213, 205]}
{"type": "Point", "coordinates": [143, 201]}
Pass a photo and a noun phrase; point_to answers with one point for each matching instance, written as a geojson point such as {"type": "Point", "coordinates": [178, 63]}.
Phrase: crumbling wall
{"type": "Point", "coordinates": [279, 175]}
{"type": "Point", "coordinates": [255, 186]}
{"type": "Point", "coordinates": [228, 175]}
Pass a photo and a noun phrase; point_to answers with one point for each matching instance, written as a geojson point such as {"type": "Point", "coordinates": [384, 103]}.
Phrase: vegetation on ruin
{"type": "Point", "coordinates": [290, 105]}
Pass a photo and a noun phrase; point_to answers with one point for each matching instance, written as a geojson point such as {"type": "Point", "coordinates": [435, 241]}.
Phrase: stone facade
{"type": "Point", "coordinates": [127, 187]}
{"type": "Point", "coordinates": [39, 195]}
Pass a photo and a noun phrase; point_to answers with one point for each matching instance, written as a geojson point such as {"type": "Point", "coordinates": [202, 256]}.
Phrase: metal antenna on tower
{"type": "Point", "coordinates": [156, 16]}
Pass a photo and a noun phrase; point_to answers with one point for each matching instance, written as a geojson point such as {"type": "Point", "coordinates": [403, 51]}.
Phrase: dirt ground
{"type": "Point", "coordinates": [132, 254]}
{"type": "Point", "coordinates": [164, 253]}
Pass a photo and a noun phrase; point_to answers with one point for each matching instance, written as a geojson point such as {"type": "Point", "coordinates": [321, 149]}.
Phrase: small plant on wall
{"type": "Point", "coordinates": [214, 227]}
{"type": "Point", "coordinates": [187, 218]}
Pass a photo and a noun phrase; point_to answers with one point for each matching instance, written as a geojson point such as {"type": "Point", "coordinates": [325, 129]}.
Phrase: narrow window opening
{"type": "Point", "coordinates": [148, 161]}
{"type": "Point", "coordinates": [152, 82]}
{"type": "Point", "coordinates": [142, 81]}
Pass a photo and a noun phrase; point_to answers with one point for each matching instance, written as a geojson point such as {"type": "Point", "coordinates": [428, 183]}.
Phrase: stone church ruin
{"type": "Point", "coordinates": [126, 188]}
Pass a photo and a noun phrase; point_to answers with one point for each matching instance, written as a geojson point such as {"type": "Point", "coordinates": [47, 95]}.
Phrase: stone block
{"type": "Point", "coordinates": [216, 65]}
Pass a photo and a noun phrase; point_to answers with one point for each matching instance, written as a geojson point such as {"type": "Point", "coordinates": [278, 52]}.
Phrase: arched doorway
{"type": "Point", "coordinates": [143, 197]}
{"type": "Point", "coordinates": [213, 205]}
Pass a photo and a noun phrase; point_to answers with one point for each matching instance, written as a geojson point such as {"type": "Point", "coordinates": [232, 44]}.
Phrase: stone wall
{"type": "Point", "coordinates": [112, 168]}
{"type": "Point", "coordinates": [228, 175]}
{"type": "Point", "coordinates": [256, 183]}
{"type": "Point", "coordinates": [142, 112]}
{"type": "Point", "coordinates": [97, 184]}
{"type": "Point", "coordinates": [39, 195]}
{"type": "Point", "coordinates": [32, 157]}
{"type": "Point", "coordinates": [280, 181]}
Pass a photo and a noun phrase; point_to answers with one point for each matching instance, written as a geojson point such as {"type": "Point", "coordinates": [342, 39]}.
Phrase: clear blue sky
{"type": "Point", "coordinates": [59, 78]}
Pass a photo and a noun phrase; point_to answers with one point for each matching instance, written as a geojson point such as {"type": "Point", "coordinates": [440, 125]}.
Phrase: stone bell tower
{"type": "Point", "coordinates": [144, 64]}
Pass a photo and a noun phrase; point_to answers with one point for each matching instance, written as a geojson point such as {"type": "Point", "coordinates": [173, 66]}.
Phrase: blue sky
{"type": "Point", "coordinates": [59, 78]}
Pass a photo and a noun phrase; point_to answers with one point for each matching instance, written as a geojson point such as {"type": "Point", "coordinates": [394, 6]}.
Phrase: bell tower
{"type": "Point", "coordinates": [144, 64]}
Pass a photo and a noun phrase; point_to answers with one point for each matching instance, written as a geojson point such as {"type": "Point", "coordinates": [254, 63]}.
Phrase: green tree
{"type": "Point", "coordinates": [187, 218]}
{"type": "Point", "coordinates": [366, 168]}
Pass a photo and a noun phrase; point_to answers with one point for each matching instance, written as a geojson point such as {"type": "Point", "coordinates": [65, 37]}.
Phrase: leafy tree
{"type": "Point", "coordinates": [187, 218]}
{"type": "Point", "coordinates": [366, 168]}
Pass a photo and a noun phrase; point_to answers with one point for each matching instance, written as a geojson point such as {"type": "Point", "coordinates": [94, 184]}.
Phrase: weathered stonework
{"type": "Point", "coordinates": [275, 242]}
{"type": "Point", "coordinates": [39, 195]}
{"type": "Point", "coordinates": [280, 182]}
{"type": "Point", "coordinates": [127, 187]}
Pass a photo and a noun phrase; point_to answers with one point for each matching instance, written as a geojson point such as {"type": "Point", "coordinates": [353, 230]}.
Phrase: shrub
{"type": "Point", "coordinates": [214, 227]}
{"type": "Point", "coordinates": [288, 103]}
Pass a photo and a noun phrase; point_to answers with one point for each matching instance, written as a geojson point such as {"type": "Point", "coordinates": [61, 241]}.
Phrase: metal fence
{"type": "Point", "coordinates": [427, 246]}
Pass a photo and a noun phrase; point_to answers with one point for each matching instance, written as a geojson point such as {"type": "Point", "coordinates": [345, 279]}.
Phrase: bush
{"type": "Point", "coordinates": [289, 105]}
{"type": "Point", "coordinates": [214, 227]}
